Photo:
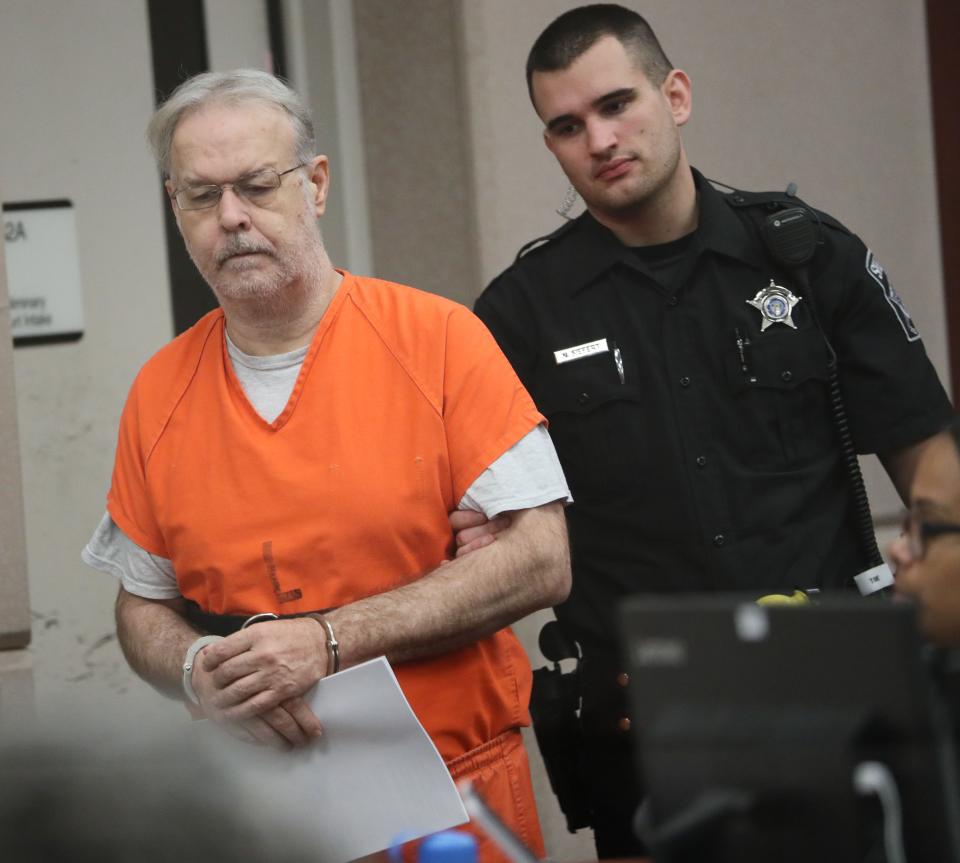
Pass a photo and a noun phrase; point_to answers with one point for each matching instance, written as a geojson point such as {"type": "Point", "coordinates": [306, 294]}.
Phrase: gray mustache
{"type": "Point", "coordinates": [241, 247]}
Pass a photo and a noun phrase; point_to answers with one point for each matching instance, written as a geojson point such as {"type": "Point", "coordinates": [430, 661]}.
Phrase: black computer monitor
{"type": "Point", "coordinates": [788, 734]}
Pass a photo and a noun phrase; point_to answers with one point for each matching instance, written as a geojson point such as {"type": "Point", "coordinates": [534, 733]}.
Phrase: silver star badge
{"type": "Point", "coordinates": [775, 304]}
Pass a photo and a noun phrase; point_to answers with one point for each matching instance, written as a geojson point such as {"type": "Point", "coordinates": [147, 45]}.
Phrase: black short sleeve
{"type": "Point", "coordinates": [891, 392]}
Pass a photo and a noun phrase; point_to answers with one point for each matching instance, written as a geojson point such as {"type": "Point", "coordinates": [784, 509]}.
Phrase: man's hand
{"type": "Point", "coordinates": [256, 678]}
{"type": "Point", "coordinates": [472, 530]}
{"type": "Point", "coordinates": [155, 636]}
{"type": "Point", "coordinates": [290, 725]}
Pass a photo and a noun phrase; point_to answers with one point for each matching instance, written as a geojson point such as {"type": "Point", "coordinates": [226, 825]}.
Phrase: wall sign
{"type": "Point", "coordinates": [43, 272]}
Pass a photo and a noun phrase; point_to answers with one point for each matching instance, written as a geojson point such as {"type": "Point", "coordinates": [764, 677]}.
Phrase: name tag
{"type": "Point", "coordinates": [578, 352]}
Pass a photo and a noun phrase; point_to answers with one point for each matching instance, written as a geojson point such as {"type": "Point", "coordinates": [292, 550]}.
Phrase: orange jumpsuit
{"type": "Point", "coordinates": [403, 400]}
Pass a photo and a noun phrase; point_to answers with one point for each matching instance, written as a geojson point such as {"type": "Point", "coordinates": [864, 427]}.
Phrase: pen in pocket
{"type": "Point", "coordinates": [618, 361]}
{"type": "Point", "coordinates": [743, 342]}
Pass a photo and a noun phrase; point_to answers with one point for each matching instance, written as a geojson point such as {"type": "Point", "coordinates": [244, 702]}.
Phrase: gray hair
{"type": "Point", "coordinates": [240, 85]}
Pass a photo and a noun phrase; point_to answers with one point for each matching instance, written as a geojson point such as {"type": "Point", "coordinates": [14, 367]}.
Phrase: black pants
{"type": "Point", "coordinates": [609, 776]}
{"type": "Point", "coordinates": [608, 763]}
{"type": "Point", "coordinates": [590, 759]}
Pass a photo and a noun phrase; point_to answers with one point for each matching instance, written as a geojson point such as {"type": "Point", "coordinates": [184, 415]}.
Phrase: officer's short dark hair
{"type": "Point", "coordinates": [578, 30]}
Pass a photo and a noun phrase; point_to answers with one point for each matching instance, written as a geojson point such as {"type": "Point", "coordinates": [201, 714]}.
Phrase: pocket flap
{"type": "Point", "coordinates": [582, 386]}
{"type": "Point", "coordinates": [780, 360]}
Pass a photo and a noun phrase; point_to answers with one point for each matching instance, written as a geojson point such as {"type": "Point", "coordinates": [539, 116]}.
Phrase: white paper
{"type": "Point", "coordinates": [372, 777]}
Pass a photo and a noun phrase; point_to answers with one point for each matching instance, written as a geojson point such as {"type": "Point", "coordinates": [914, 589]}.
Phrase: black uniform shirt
{"type": "Point", "coordinates": [701, 452]}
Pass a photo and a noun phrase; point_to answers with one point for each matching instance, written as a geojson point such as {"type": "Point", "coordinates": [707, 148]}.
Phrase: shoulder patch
{"type": "Point", "coordinates": [879, 275]}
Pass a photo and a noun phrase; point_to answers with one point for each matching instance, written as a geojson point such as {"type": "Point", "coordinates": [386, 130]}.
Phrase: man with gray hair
{"type": "Point", "coordinates": [285, 468]}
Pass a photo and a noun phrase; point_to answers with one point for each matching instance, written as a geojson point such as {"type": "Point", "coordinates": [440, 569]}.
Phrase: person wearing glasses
{"type": "Point", "coordinates": [285, 468]}
{"type": "Point", "coordinates": [926, 555]}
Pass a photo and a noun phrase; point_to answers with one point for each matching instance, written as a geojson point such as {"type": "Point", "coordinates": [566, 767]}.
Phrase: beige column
{"type": "Point", "coordinates": [16, 676]}
{"type": "Point", "coordinates": [14, 602]}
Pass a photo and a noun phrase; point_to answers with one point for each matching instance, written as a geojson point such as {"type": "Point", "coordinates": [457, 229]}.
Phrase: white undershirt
{"type": "Point", "coordinates": [267, 381]}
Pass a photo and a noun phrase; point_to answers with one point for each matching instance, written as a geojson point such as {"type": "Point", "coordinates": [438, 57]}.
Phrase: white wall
{"type": "Point", "coordinates": [76, 94]}
{"type": "Point", "coordinates": [237, 35]}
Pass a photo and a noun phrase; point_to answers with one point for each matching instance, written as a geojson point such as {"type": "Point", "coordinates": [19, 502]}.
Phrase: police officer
{"type": "Point", "coordinates": [688, 374]}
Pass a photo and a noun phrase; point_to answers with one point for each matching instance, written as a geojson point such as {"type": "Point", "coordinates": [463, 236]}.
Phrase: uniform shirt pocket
{"type": "Point", "coordinates": [783, 410]}
{"type": "Point", "coordinates": [591, 414]}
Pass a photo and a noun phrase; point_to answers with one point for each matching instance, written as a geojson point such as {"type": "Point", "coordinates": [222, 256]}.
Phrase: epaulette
{"type": "Point", "coordinates": [773, 201]}
{"type": "Point", "coordinates": [546, 238]}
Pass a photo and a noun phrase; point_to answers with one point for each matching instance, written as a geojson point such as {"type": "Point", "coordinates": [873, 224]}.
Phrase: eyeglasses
{"type": "Point", "coordinates": [919, 533]}
{"type": "Point", "coordinates": [258, 188]}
